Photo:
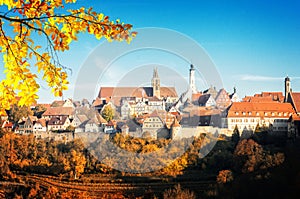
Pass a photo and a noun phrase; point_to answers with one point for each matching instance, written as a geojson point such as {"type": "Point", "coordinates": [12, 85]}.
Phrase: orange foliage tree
{"type": "Point", "coordinates": [56, 27]}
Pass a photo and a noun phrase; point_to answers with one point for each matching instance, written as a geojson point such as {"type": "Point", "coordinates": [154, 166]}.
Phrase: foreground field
{"type": "Point", "coordinates": [104, 186]}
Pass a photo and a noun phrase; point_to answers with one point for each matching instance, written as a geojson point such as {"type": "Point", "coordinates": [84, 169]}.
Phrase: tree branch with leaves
{"type": "Point", "coordinates": [23, 22]}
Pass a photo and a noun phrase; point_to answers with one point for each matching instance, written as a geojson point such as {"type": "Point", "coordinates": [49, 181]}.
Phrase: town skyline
{"type": "Point", "coordinates": [252, 43]}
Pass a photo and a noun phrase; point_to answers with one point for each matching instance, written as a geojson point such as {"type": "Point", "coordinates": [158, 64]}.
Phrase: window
{"type": "Point", "coordinates": [250, 113]}
{"type": "Point", "coordinates": [237, 113]}
{"type": "Point", "coordinates": [244, 113]}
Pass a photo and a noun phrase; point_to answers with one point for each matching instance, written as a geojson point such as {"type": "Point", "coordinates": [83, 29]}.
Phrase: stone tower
{"type": "Point", "coordinates": [192, 79]}
{"type": "Point", "coordinates": [287, 88]}
{"type": "Point", "coordinates": [156, 83]}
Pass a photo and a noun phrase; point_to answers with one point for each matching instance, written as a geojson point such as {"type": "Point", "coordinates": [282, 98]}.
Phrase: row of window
{"type": "Point", "coordinates": [153, 125]}
{"type": "Point", "coordinates": [265, 113]}
{"type": "Point", "coordinates": [257, 120]}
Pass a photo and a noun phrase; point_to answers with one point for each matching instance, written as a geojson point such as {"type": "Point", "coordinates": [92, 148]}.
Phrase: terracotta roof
{"type": "Point", "coordinates": [116, 93]}
{"type": "Point", "coordinates": [252, 109]}
{"type": "Point", "coordinates": [57, 103]}
{"type": "Point", "coordinates": [196, 96]}
{"type": "Point", "coordinates": [42, 122]}
{"type": "Point", "coordinates": [57, 120]}
{"type": "Point", "coordinates": [7, 124]}
{"type": "Point", "coordinates": [97, 102]}
{"type": "Point", "coordinates": [295, 117]}
{"type": "Point", "coordinates": [296, 100]}
{"type": "Point", "coordinates": [59, 111]}
{"type": "Point", "coordinates": [265, 97]}
{"type": "Point", "coordinates": [168, 92]}
{"type": "Point", "coordinates": [201, 111]}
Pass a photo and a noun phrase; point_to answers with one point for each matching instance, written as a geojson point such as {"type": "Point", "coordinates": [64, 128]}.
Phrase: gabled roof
{"type": "Point", "coordinates": [42, 122]}
{"type": "Point", "coordinates": [296, 101]}
{"type": "Point", "coordinates": [58, 120]}
{"type": "Point", "coordinates": [117, 93]}
{"type": "Point", "coordinates": [252, 109]}
{"type": "Point", "coordinates": [53, 111]}
{"type": "Point", "coordinates": [204, 98]}
{"type": "Point", "coordinates": [265, 97]}
{"type": "Point", "coordinates": [7, 124]}
{"type": "Point", "coordinates": [57, 103]}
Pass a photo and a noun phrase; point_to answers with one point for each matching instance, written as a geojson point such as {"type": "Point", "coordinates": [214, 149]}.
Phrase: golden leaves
{"type": "Point", "coordinates": [19, 49]}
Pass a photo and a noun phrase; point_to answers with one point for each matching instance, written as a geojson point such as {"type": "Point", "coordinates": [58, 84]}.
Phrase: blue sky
{"type": "Point", "coordinates": [254, 44]}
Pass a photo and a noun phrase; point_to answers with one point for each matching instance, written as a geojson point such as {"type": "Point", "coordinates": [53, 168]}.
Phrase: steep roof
{"type": "Point", "coordinates": [204, 98]}
{"type": "Point", "coordinates": [59, 111]}
{"type": "Point", "coordinates": [265, 97]}
{"type": "Point", "coordinates": [296, 101]}
{"type": "Point", "coordinates": [253, 109]}
{"type": "Point", "coordinates": [42, 122]}
{"type": "Point", "coordinates": [58, 120]}
{"type": "Point", "coordinates": [116, 93]}
{"type": "Point", "coordinates": [57, 103]}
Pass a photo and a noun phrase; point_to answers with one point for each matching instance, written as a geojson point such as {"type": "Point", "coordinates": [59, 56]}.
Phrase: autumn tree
{"type": "Point", "coordinates": [18, 112]}
{"type": "Point", "coordinates": [224, 176]}
{"type": "Point", "coordinates": [22, 21]}
{"type": "Point", "coordinates": [39, 110]}
{"type": "Point", "coordinates": [77, 163]}
{"type": "Point", "coordinates": [107, 113]}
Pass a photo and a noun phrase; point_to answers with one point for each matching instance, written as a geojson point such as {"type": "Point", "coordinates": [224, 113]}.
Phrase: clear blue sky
{"type": "Point", "coordinates": [254, 44]}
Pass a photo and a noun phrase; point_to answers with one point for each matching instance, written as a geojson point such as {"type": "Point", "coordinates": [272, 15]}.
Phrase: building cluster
{"type": "Point", "coordinates": [158, 111]}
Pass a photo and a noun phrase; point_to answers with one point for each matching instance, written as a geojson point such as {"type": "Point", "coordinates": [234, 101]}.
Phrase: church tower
{"type": "Point", "coordinates": [156, 84]}
{"type": "Point", "coordinates": [192, 79]}
{"type": "Point", "coordinates": [287, 88]}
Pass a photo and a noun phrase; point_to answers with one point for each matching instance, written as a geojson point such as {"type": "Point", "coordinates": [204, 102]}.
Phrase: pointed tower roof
{"type": "Point", "coordinates": [155, 73]}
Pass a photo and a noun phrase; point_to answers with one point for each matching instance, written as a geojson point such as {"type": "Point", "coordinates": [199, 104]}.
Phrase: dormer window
{"type": "Point", "coordinates": [250, 113]}
{"type": "Point", "coordinates": [244, 113]}
{"type": "Point", "coordinates": [236, 113]}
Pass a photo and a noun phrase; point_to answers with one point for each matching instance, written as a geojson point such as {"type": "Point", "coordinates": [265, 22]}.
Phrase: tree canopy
{"type": "Point", "coordinates": [56, 27]}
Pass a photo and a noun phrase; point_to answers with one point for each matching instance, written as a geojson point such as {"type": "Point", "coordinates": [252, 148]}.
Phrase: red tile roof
{"type": "Point", "coordinates": [253, 109]}
{"type": "Point", "coordinates": [53, 111]}
{"type": "Point", "coordinates": [118, 92]}
{"type": "Point", "coordinates": [295, 117]}
{"type": "Point", "coordinates": [58, 120]}
{"type": "Point", "coordinates": [296, 100]}
{"type": "Point", "coordinates": [42, 122]}
{"type": "Point", "coordinates": [265, 97]}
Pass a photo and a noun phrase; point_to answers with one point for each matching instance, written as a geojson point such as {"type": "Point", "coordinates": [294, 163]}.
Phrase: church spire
{"type": "Point", "coordinates": [156, 83]}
